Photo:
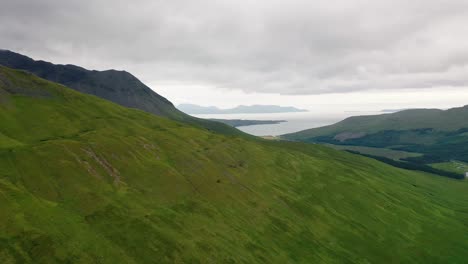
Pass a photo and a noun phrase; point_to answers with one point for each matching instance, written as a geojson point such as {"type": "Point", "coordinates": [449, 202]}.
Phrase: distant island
{"type": "Point", "coordinates": [241, 109]}
{"type": "Point", "coordinates": [242, 122]}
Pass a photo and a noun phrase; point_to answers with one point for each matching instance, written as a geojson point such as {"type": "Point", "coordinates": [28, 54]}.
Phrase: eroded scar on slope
{"type": "Point", "coordinates": [113, 172]}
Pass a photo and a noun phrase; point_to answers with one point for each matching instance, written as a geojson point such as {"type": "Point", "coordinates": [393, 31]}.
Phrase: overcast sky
{"type": "Point", "coordinates": [353, 54]}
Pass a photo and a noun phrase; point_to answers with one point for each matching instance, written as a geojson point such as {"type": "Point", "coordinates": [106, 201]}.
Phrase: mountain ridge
{"type": "Point", "coordinates": [117, 86]}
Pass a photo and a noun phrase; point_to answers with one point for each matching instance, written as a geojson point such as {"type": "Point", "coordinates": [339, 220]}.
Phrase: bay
{"type": "Point", "coordinates": [295, 121]}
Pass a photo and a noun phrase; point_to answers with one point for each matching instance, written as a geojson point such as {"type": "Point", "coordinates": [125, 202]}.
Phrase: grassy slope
{"type": "Point", "coordinates": [439, 135]}
{"type": "Point", "coordinates": [83, 180]}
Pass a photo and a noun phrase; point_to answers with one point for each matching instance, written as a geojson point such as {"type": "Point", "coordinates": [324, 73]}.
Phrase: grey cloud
{"type": "Point", "coordinates": [287, 47]}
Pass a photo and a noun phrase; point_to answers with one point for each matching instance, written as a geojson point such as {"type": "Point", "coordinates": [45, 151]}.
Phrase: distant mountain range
{"type": "Point", "coordinates": [241, 109]}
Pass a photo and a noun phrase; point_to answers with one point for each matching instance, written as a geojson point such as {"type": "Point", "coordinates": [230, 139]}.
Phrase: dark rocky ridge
{"type": "Point", "coordinates": [117, 86]}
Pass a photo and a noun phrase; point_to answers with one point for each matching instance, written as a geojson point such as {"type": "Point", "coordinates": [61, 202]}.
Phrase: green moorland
{"type": "Point", "coordinates": [83, 180]}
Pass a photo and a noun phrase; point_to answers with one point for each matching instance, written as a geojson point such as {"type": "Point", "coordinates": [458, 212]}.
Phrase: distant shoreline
{"type": "Point", "coordinates": [243, 122]}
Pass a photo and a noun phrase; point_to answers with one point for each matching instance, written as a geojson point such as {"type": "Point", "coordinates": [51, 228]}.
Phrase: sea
{"type": "Point", "coordinates": [296, 121]}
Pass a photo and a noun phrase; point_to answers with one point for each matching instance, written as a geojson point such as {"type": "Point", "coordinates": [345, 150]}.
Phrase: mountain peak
{"type": "Point", "coordinates": [114, 85]}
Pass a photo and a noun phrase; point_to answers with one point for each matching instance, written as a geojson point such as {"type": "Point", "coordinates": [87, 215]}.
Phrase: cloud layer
{"type": "Point", "coordinates": [271, 46]}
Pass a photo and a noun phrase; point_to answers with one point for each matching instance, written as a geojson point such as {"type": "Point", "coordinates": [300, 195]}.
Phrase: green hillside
{"type": "Point", "coordinates": [84, 180]}
{"type": "Point", "coordinates": [413, 119]}
{"type": "Point", "coordinates": [440, 135]}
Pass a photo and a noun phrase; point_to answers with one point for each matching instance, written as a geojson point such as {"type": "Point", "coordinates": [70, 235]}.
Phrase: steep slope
{"type": "Point", "coordinates": [117, 86]}
{"type": "Point", "coordinates": [439, 135]}
{"type": "Point", "coordinates": [83, 180]}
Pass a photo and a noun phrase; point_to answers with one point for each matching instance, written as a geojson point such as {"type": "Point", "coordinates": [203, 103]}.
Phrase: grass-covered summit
{"type": "Point", "coordinates": [84, 180]}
